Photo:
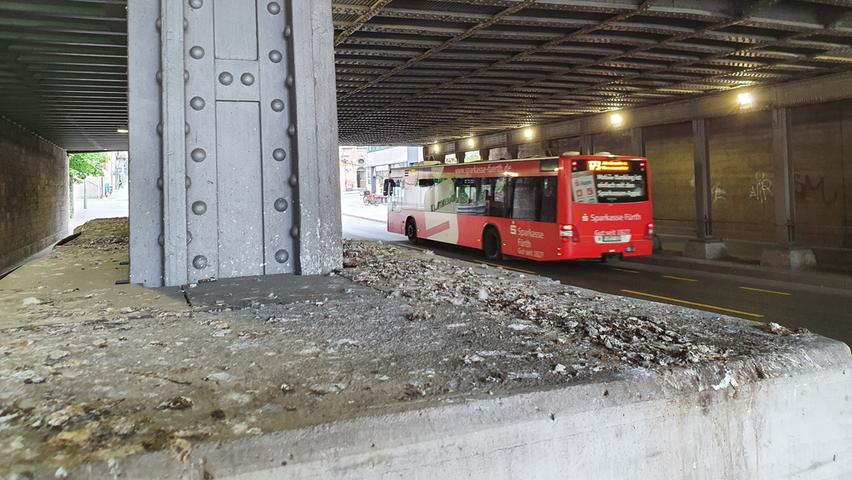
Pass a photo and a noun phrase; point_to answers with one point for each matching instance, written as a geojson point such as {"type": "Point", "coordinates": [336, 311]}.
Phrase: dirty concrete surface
{"type": "Point", "coordinates": [93, 371]}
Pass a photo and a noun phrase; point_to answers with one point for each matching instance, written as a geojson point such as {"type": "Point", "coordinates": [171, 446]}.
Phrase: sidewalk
{"type": "Point", "coordinates": [113, 206]}
{"type": "Point", "coordinates": [352, 204]}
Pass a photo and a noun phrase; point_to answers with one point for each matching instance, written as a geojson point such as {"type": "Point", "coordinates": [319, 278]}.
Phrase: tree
{"type": "Point", "coordinates": [82, 165]}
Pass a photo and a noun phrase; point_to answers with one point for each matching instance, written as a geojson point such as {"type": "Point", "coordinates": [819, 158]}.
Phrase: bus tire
{"type": "Point", "coordinates": [491, 244]}
{"type": "Point", "coordinates": [411, 230]}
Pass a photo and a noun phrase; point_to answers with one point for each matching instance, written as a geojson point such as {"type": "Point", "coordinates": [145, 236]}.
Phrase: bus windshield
{"type": "Point", "coordinates": [608, 181]}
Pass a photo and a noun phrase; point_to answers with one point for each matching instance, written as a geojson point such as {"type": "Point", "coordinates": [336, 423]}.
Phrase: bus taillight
{"type": "Point", "coordinates": [567, 233]}
{"type": "Point", "coordinates": [649, 232]}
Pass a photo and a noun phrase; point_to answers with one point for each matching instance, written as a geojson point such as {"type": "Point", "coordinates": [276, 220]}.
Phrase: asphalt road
{"type": "Point", "coordinates": [822, 310]}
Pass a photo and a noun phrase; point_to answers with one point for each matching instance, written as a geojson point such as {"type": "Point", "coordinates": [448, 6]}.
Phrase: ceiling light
{"type": "Point", "coordinates": [471, 142]}
{"type": "Point", "coordinates": [529, 133]}
{"type": "Point", "coordinates": [745, 99]}
{"type": "Point", "coordinates": [122, 131]}
{"type": "Point", "coordinates": [436, 148]}
{"type": "Point", "coordinates": [616, 120]}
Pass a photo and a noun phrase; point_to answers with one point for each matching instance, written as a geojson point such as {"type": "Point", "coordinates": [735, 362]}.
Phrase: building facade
{"type": "Point", "coordinates": [380, 160]}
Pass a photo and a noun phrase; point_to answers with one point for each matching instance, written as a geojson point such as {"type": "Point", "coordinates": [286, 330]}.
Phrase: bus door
{"type": "Point", "coordinates": [533, 208]}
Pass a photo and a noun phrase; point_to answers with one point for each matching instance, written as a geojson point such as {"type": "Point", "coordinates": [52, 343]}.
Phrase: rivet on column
{"type": "Point", "coordinates": [294, 232]}
{"type": "Point", "coordinates": [198, 155]}
{"type": "Point", "coordinates": [294, 180]}
{"type": "Point", "coordinates": [197, 103]}
{"type": "Point", "coordinates": [281, 205]}
{"type": "Point", "coordinates": [279, 154]}
{"type": "Point", "coordinates": [196, 4]}
{"type": "Point", "coordinates": [275, 56]}
{"type": "Point", "coordinates": [199, 207]}
{"type": "Point", "coordinates": [196, 52]}
{"type": "Point", "coordinates": [199, 262]}
{"type": "Point", "coordinates": [273, 8]}
{"type": "Point", "coordinates": [281, 256]}
{"type": "Point", "coordinates": [277, 105]}
{"type": "Point", "coordinates": [247, 79]}
{"type": "Point", "coordinates": [225, 78]}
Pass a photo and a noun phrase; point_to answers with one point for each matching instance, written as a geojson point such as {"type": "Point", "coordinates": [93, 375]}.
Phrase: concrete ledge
{"type": "Point", "coordinates": [792, 258]}
{"type": "Point", "coordinates": [705, 249]}
{"type": "Point", "coordinates": [715, 422]}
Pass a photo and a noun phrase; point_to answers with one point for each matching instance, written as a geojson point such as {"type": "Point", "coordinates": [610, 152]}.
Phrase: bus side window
{"type": "Point", "coordinates": [525, 198]}
{"type": "Point", "coordinates": [470, 199]}
{"type": "Point", "coordinates": [547, 212]}
{"type": "Point", "coordinates": [499, 197]}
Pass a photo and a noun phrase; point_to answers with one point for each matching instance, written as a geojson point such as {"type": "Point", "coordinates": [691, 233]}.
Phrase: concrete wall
{"type": "Point", "coordinates": [670, 149]}
{"type": "Point", "coordinates": [821, 145]}
{"type": "Point", "coordinates": [709, 422]}
{"type": "Point", "coordinates": [33, 194]}
{"type": "Point", "coordinates": [615, 142]}
{"type": "Point", "coordinates": [741, 166]}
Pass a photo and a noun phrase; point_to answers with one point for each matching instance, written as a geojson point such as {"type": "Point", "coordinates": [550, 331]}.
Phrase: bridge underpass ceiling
{"type": "Point", "coordinates": [414, 71]}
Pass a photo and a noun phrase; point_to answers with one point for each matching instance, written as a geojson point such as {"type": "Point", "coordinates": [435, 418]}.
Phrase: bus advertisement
{"type": "Point", "coordinates": [546, 209]}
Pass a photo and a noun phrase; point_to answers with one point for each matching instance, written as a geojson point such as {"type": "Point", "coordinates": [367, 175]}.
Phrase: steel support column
{"type": "Point", "coordinates": [701, 159]}
{"type": "Point", "coordinates": [586, 145]}
{"type": "Point", "coordinates": [783, 187]}
{"type": "Point", "coordinates": [637, 142]}
{"type": "Point", "coordinates": [233, 154]}
{"type": "Point", "coordinates": [484, 154]}
{"type": "Point", "coordinates": [513, 151]}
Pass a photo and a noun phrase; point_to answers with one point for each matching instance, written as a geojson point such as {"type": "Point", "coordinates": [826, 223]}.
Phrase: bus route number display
{"type": "Point", "coordinates": [608, 166]}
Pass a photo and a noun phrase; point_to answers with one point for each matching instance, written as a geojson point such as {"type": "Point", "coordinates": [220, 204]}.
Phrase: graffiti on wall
{"type": "Point", "coordinates": [808, 189]}
{"type": "Point", "coordinates": [718, 194]}
{"type": "Point", "coordinates": [761, 187]}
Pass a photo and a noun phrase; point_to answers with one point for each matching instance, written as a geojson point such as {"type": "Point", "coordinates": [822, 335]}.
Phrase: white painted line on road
{"type": "Point", "coordinates": [682, 279]}
{"type": "Point", "coordinates": [497, 265]}
{"type": "Point", "coordinates": [624, 270]}
{"type": "Point", "coordinates": [773, 292]}
{"type": "Point", "coordinates": [693, 304]}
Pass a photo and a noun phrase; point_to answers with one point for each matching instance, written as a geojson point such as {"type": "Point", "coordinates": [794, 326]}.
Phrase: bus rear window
{"type": "Point", "coordinates": [609, 181]}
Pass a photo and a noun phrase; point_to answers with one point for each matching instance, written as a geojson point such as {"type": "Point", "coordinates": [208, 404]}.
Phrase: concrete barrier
{"type": "Point", "coordinates": [766, 418]}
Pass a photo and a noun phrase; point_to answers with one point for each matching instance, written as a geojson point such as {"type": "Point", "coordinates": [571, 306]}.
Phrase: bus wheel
{"type": "Point", "coordinates": [411, 230]}
{"type": "Point", "coordinates": [491, 245]}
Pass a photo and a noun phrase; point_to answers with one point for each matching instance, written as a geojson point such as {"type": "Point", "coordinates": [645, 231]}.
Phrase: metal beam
{"type": "Point", "coordinates": [783, 188]}
{"type": "Point", "coordinates": [701, 163]}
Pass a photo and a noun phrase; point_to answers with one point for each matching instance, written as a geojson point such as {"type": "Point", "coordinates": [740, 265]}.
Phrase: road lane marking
{"type": "Point", "coordinates": [682, 279]}
{"type": "Point", "coordinates": [497, 265]}
{"type": "Point", "coordinates": [774, 292]}
{"type": "Point", "coordinates": [624, 270]}
{"type": "Point", "coordinates": [694, 304]}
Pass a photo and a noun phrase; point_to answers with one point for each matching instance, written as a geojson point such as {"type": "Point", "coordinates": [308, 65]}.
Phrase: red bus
{"type": "Point", "coordinates": [548, 209]}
